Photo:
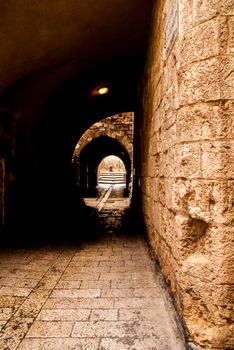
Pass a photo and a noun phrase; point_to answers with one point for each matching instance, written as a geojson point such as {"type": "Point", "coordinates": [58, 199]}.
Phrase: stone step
{"type": "Point", "coordinates": [112, 178]}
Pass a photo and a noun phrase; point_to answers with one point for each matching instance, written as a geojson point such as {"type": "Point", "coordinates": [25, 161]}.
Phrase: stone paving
{"type": "Point", "coordinates": [103, 294]}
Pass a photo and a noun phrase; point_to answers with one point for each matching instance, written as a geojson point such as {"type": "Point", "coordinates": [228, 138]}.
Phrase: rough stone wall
{"type": "Point", "coordinates": [186, 160]}
{"type": "Point", "coordinates": [118, 126]}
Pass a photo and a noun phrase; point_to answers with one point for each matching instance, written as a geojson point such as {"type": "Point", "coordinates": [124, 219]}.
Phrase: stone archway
{"type": "Point", "coordinates": [111, 170]}
{"type": "Point", "coordinates": [91, 156]}
{"type": "Point", "coordinates": [117, 132]}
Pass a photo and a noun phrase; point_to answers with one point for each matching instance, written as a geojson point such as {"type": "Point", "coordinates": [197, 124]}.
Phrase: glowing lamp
{"type": "Point", "coordinates": [104, 90]}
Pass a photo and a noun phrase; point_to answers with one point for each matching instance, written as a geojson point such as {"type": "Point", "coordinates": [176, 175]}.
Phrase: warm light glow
{"type": "Point", "coordinates": [103, 90]}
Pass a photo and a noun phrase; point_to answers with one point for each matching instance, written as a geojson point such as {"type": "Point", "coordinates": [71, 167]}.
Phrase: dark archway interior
{"type": "Point", "coordinates": [55, 55]}
{"type": "Point", "coordinates": [91, 156]}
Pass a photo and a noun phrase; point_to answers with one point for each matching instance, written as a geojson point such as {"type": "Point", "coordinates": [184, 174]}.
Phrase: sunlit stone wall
{"type": "Point", "coordinates": [186, 158]}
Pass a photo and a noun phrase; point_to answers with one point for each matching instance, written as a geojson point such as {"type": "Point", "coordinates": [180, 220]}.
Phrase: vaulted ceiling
{"type": "Point", "coordinates": [50, 48]}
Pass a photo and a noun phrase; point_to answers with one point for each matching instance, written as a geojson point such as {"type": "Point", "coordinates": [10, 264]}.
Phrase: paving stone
{"type": "Point", "coordinates": [47, 329]}
{"type": "Point", "coordinates": [6, 313]}
{"type": "Point", "coordinates": [16, 329]}
{"type": "Point", "coordinates": [59, 344]}
{"type": "Point", "coordinates": [119, 257]}
{"type": "Point", "coordinates": [129, 343]}
{"type": "Point", "coordinates": [147, 292]}
{"type": "Point", "coordinates": [137, 283]}
{"type": "Point", "coordinates": [102, 295]}
{"type": "Point", "coordinates": [115, 276]}
{"type": "Point", "coordinates": [13, 281]}
{"type": "Point", "coordinates": [104, 315]}
{"type": "Point", "coordinates": [48, 281]}
{"type": "Point", "coordinates": [64, 315]}
{"type": "Point", "coordinates": [130, 303]}
{"type": "Point", "coordinates": [84, 263]}
{"type": "Point", "coordinates": [87, 254]}
{"type": "Point", "coordinates": [83, 303]}
{"type": "Point", "coordinates": [143, 314]}
{"type": "Point", "coordinates": [116, 329]}
{"type": "Point", "coordinates": [144, 258]}
{"type": "Point", "coordinates": [22, 267]}
{"type": "Point", "coordinates": [111, 263]}
{"type": "Point", "coordinates": [87, 269]}
{"type": "Point", "coordinates": [129, 269]}
{"type": "Point", "coordinates": [33, 303]}
{"type": "Point", "coordinates": [23, 274]}
{"type": "Point", "coordinates": [9, 343]}
{"type": "Point", "coordinates": [145, 276]}
{"type": "Point", "coordinates": [95, 284]}
{"type": "Point", "coordinates": [76, 293]}
{"type": "Point", "coordinates": [70, 284]}
{"type": "Point", "coordinates": [10, 301]}
{"type": "Point", "coordinates": [2, 323]}
{"type": "Point", "coordinates": [15, 291]}
{"type": "Point", "coordinates": [135, 263]}
{"type": "Point", "coordinates": [116, 293]}
{"type": "Point", "coordinates": [81, 276]}
{"type": "Point", "coordinates": [90, 258]}
{"type": "Point", "coordinates": [39, 264]}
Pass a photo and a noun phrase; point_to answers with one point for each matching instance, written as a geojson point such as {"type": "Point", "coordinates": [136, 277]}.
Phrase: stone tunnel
{"type": "Point", "coordinates": [151, 82]}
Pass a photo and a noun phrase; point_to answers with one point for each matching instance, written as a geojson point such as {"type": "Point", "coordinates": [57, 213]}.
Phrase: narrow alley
{"type": "Point", "coordinates": [135, 94]}
{"type": "Point", "coordinates": [103, 294]}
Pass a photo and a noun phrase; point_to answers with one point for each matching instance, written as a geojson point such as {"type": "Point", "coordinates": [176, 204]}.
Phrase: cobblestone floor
{"type": "Point", "coordinates": [103, 294]}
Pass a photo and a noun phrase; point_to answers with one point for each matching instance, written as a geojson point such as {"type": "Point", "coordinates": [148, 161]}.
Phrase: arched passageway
{"type": "Point", "coordinates": [171, 63]}
{"type": "Point", "coordinates": [111, 170]}
{"type": "Point", "coordinates": [90, 158]}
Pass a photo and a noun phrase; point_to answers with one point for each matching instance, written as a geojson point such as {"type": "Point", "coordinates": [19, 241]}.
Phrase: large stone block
{"type": "Point", "coordinates": [218, 160]}
{"type": "Point", "coordinates": [200, 81]}
{"type": "Point", "coordinates": [168, 138]}
{"type": "Point", "coordinates": [170, 70]}
{"type": "Point", "coordinates": [206, 324]}
{"type": "Point", "coordinates": [189, 236]}
{"type": "Point", "coordinates": [186, 15]}
{"type": "Point", "coordinates": [227, 78]}
{"type": "Point", "coordinates": [209, 201]}
{"type": "Point", "coordinates": [158, 93]}
{"type": "Point", "coordinates": [158, 117]}
{"type": "Point", "coordinates": [153, 165]}
{"type": "Point", "coordinates": [221, 253]}
{"type": "Point", "coordinates": [204, 41]}
{"type": "Point", "coordinates": [197, 122]}
{"type": "Point", "coordinates": [154, 144]}
{"type": "Point", "coordinates": [168, 100]}
{"type": "Point", "coordinates": [203, 10]}
{"type": "Point", "coordinates": [174, 236]}
{"type": "Point", "coordinates": [166, 169]}
{"type": "Point", "coordinates": [169, 190]}
{"type": "Point", "coordinates": [209, 80]}
{"type": "Point", "coordinates": [227, 7]}
{"type": "Point", "coordinates": [222, 202]}
{"type": "Point", "coordinates": [189, 122]}
{"type": "Point", "coordinates": [189, 156]}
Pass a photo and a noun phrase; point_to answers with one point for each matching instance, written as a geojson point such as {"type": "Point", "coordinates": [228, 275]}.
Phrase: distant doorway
{"type": "Point", "coordinates": [111, 171]}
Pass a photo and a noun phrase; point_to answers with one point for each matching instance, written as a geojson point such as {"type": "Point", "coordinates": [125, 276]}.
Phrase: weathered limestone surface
{"type": "Point", "coordinates": [186, 153]}
{"type": "Point", "coordinates": [101, 295]}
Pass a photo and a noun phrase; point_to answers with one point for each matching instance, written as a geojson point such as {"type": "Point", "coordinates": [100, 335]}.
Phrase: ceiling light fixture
{"type": "Point", "coordinates": [103, 90]}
